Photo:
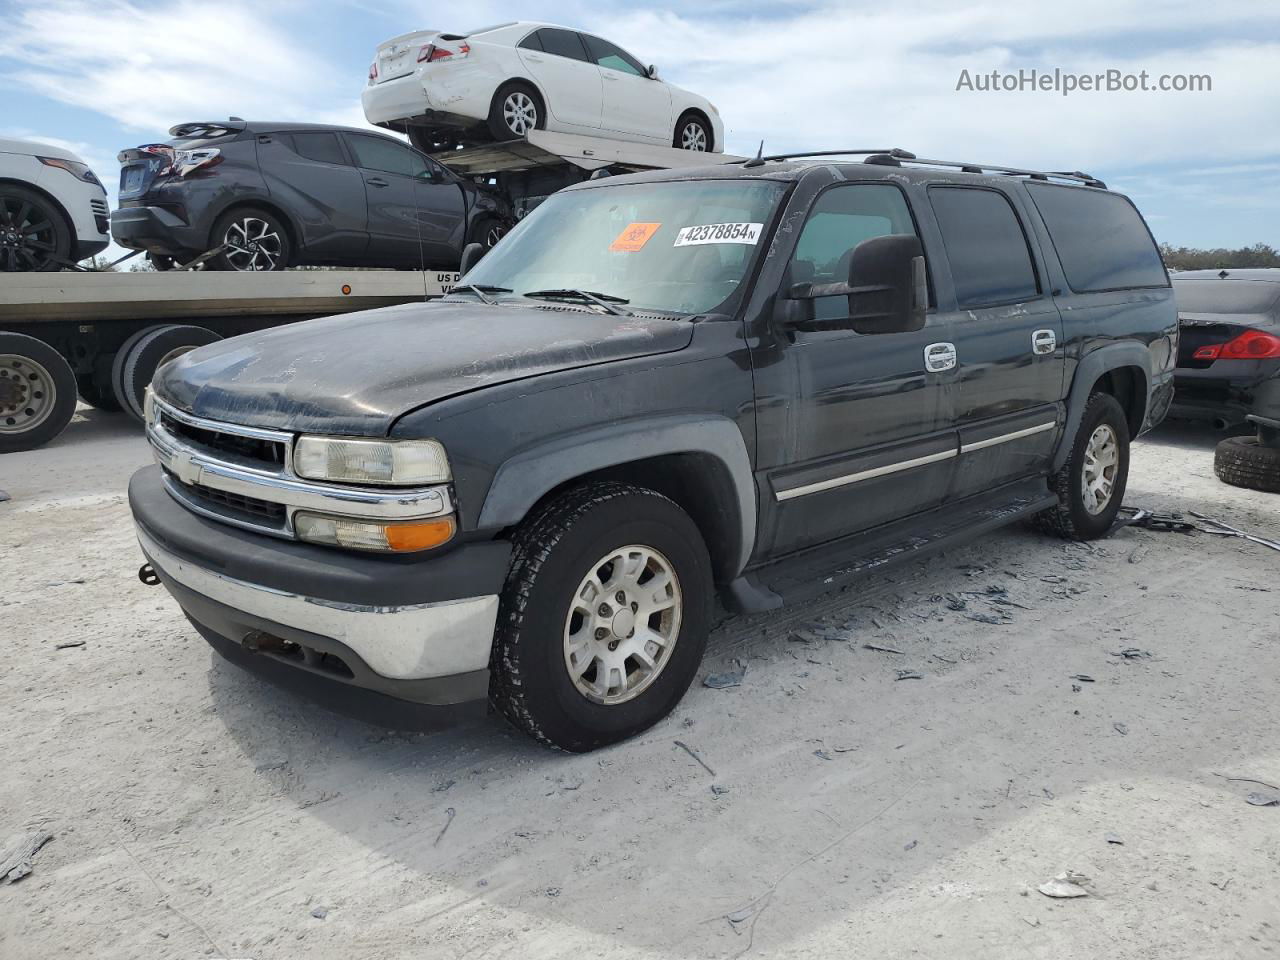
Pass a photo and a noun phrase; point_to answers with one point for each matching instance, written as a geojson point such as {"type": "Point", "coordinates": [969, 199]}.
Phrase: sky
{"type": "Point", "coordinates": [1203, 166]}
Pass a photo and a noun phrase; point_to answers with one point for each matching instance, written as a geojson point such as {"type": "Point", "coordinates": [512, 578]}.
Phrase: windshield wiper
{"type": "Point", "coordinates": [604, 301]}
{"type": "Point", "coordinates": [481, 290]}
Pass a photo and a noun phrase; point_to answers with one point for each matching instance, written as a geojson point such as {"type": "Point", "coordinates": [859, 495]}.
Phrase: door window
{"type": "Point", "coordinates": [320, 147]}
{"type": "Point", "coordinates": [377, 153]}
{"type": "Point", "coordinates": [841, 219]}
{"type": "Point", "coordinates": [986, 246]}
{"type": "Point", "coordinates": [613, 57]}
{"type": "Point", "coordinates": [562, 43]}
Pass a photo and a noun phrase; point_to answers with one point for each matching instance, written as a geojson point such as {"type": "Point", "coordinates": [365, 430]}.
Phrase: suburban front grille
{"type": "Point", "coordinates": [250, 506]}
{"type": "Point", "coordinates": [269, 453]}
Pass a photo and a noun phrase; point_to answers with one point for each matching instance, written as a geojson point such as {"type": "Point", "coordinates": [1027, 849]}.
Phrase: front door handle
{"type": "Point", "coordinates": [939, 357]}
{"type": "Point", "coordinates": [1044, 341]}
{"type": "Point", "coordinates": [376, 182]}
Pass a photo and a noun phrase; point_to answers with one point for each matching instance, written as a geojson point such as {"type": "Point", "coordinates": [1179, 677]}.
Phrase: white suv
{"type": "Point", "coordinates": [53, 209]}
{"type": "Point", "coordinates": [445, 89]}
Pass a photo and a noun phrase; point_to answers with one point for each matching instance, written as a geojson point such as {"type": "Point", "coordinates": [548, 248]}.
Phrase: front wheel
{"type": "Point", "coordinates": [253, 241]}
{"type": "Point", "coordinates": [34, 236]}
{"type": "Point", "coordinates": [1091, 484]}
{"type": "Point", "coordinates": [603, 618]}
{"type": "Point", "coordinates": [693, 133]}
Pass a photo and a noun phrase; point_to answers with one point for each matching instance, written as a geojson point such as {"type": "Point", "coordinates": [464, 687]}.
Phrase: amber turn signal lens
{"type": "Point", "coordinates": [419, 535]}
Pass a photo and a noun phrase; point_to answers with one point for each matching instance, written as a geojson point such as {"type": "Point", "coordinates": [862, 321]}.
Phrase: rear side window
{"type": "Point", "coordinates": [531, 42]}
{"type": "Point", "coordinates": [320, 147]}
{"type": "Point", "coordinates": [611, 56]}
{"type": "Point", "coordinates": [562, 43]}
{"type": "Point", "coordinates": [1101, 240]}
{"type": "Point", "coordinates": [375, 153]}
{"type": "Point", "coordinates": [990, 260]}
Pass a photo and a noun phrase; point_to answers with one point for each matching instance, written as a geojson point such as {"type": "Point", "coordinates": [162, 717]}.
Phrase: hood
{"type": "Point", "coordinates": [34, 148]}
{"type": "Point", "coordinates": [357, 373]}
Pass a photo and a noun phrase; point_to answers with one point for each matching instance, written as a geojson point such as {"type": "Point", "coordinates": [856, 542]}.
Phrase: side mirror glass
{"type": "Point", "coordinates": [472, 253]}
{"type": "Point", "coordinates": [887, 290]}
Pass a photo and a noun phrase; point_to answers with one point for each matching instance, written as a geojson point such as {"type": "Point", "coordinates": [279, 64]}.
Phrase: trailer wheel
{"type": "Point", "coordinates": [139, 359]}
{"type": "Point", "coordinates": [37, 392]}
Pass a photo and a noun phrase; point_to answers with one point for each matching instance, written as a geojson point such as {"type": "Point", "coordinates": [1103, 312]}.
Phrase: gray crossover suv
{"type": "Point", "coordinates": [274, 195]}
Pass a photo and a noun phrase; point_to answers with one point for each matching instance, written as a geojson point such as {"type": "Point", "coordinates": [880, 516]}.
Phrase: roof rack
{"type": "Point", "coordinates": [895, 156]}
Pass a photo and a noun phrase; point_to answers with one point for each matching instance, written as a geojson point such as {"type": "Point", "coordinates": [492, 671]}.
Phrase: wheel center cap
{"type": "Point", "coordinates": [624, 624]}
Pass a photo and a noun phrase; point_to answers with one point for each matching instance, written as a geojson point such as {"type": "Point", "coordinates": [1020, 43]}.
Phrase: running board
{"type": "Point", "coordinates": [833, 566]}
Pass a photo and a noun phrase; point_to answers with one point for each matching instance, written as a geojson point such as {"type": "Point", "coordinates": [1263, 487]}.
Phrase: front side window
{"type": "Point", "coordinates": [682, 247]}
{"type": "Point", "coordinates": [562, 43]}
{"type": "Point", "coordinates": [841, 219]}
{"type": "Point", "coordinates": [990, 260]}
{"type": "Point", "coordinates": [612, 57]}
{"type": "Point", "coordinates": [387, 156]}
{"type": "Point", "coordinates": [1101, 240]}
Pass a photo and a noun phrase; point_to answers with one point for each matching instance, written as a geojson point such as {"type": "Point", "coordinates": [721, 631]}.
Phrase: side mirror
{"type": "Point", "coordinates": [887, 290]}
{"type": "Point", "coordinates": [651, 72]}
{"type": "Point", "coordinates": [471, 255]}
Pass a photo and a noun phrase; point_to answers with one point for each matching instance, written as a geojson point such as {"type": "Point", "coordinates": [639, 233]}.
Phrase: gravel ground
{"type": "Point", "coordinates": [196, 811]}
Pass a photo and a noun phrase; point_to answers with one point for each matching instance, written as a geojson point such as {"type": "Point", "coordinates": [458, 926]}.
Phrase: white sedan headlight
{"type": "Point", "coordinates": [390, 462]}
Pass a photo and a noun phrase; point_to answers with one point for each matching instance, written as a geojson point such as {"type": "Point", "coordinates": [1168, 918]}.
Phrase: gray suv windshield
{"type": "Point", "coordinates": [682, 247]}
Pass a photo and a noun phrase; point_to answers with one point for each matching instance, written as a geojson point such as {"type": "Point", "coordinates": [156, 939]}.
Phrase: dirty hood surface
{"type": "Point", "coordinates": [357, 373]}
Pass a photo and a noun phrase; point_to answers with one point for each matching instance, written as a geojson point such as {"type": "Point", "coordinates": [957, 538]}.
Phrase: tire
{"type": "Point", "coordinates": [516, 109]}
{"type": "Point", "coordinates": [693, 133]}
{"type": "Point", "coordinates": [1246, 462]}
{"type": "Point", "coordinates": [261, 239]}
{"type": "Point", "coordinates": [34, 233]}
{"type": "Point", "coordinates": [487, 231]}
{"type": "Point", "coordinates": [37, 393]}
{"type": "Point", "coordinates": [1072, 519]}
{"type": "Point", "coordinates": [136, 363]}
{"type": "Point", "coordinates": [95, 396]}
{"type": "Point", "coordinates": [555, 549]}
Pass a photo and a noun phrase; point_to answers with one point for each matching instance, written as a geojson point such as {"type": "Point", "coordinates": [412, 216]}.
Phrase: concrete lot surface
{"type": "Point", "coordinates": [197, 811]}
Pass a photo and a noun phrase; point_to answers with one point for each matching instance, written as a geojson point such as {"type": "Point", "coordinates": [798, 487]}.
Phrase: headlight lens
{"type": "Point", "coordinates": [401, 536]}
{"type": "Point", "coordinates": [391, 462]}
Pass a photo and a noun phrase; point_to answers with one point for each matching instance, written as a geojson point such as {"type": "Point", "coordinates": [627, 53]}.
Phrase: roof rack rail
{"type": "Point", "coordinates": [895, 156]}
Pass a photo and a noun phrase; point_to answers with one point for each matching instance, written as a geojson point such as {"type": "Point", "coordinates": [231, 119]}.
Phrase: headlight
{"type": "Point", "coordinates": [391, 462]}
{"type": "Point", "coordinates": [76, 168]}
{"type": "Point", "coordinates": [400, 536]}
{"type": "Point", "coordinates": [149, 407]}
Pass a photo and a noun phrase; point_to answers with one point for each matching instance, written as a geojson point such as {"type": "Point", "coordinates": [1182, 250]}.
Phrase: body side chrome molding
{"type": "Point", "coordinates": [1006, 437]}
{"type": "Point", "coordinates": [871, 474]}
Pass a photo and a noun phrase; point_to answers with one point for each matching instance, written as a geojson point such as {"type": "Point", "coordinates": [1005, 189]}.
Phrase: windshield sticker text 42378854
{"type": "Point", "coordinates": [719, 233]}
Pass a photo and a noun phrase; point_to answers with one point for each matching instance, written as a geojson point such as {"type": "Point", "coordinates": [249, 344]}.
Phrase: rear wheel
{"type": "Point", "coordinates": [486, 231]}
{"type": "Point", "coordinates": [693, 133]}
{"type": "Point", "coordinates": [37, 392]}
{"type": "Point", "coordinates": [603, 618]}
{"type": "Point", "coordinates": [1091, 484]}
{"type": "Point", "coordinates": [516, 110]}
{"type": "Point", "coordinates": [1248, 462]}
{"type": "Point", "coordinates": [255, 241]}
{"type": "Point", "coordinates": [34, 235]}
{"type": "Point", "coordinates": [144, 353]}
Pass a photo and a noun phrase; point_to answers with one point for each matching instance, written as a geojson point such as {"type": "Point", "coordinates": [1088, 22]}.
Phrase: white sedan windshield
{"type": "Point", "coordinates": [681, 246]}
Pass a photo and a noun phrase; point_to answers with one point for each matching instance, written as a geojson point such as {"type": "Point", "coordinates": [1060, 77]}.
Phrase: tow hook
{"type": "Point", "coordinates": [148, 575]}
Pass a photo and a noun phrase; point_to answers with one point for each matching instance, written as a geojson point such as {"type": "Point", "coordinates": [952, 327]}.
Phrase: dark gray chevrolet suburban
{"type": "Point", "coordinates": [752, 380]}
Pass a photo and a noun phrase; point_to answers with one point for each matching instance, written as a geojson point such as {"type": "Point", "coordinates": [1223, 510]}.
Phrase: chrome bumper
{"type": "Point", "coordinates": [409, 642]}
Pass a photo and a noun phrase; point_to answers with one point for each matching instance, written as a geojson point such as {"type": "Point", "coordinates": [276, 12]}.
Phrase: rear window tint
{"type": "Point", "coordinates": [1102, 242]}
{"type": "Point", "coordinates": [562, 43]}
{"type": "Point", "coordinates": [321, 147]}
{"type": "Point", "coordinates": [990, 262]}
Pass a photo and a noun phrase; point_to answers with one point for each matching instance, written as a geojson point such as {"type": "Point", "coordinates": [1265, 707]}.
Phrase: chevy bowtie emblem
{"type": "Point", "coordinates": [185, 468]}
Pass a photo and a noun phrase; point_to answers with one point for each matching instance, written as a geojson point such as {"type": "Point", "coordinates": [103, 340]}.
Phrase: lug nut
{"type": "Point", "coordinates": [620, 597]}
{"type": "Point", "coordinates": [604, 610]}
{"type": "Point", "coordinates": [613, 644]}
{"type": "Point", "coordinates": [601, 633]}
{"type": "Point", "coordinates": [635, 607]}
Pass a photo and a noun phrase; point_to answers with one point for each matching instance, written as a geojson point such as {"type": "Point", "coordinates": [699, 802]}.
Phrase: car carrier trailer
{"type": "Point", "coordinates": [101, 336]}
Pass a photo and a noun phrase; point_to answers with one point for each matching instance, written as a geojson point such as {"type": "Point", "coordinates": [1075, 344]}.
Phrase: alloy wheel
{"type": "Point", "coordinates": [28, 238]}
{"type": "Point", "coordinates": [693, 137]}
{"type": "Point", "coordinates": [1098, 476]}
{"type": "Point", "coordinates": [520, 113]}
{"type": "Point", "coordinates": [623, 624]}
{"type": "Point", "coordinates": [253, 245]}
{"type": "Point", "coordinates": [493, 235]}
{"type": "Point", "coordinates": [27, 394]}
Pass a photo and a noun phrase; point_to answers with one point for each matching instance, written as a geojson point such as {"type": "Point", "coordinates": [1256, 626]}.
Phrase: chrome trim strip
{"type": "Point", "coordinates": [255, 433]}
{"type": "Point", "coordinates": [1006, 437]}
{"type": "Point", "coordinates": [410, 642]}
{"type": "Point", "coordinates": [179, 493]}
{"type": "Point", "coordinates": [874, 472]}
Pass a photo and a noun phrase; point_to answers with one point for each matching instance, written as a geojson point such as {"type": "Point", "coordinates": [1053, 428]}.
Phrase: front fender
{"type": "Point", "coordinates": [527, 477]}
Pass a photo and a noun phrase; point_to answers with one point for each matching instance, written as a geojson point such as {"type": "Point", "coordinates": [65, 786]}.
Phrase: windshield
{"type": "Point", "coordinates": [680, 247]}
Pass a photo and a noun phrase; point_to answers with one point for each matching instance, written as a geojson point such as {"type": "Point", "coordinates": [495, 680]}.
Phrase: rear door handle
{"type": "Point", "coordinates": [1044, 341]}
{"type": "Point", "coordinates": [939, 357]}
{"type": "Point", "coordinates": [376, 182]}
{"type": "Point", "coordinates": [530, 57]}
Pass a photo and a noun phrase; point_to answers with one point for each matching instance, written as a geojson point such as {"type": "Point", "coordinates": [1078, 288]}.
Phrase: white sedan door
{"type": "Point", "coordinates": [633, 103]}
{"type": "Point", "coordinates": [557, 59]}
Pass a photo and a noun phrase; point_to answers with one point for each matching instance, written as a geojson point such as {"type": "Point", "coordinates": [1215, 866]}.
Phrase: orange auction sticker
{"type": "Point", "coordinates": [634, 237]}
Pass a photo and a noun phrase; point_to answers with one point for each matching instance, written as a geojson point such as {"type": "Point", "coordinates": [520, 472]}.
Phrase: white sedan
{"type": "Point", "coordinates": [444, 88]}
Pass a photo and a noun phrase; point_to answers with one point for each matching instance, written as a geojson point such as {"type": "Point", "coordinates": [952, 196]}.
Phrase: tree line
{"type": "Point", "coordinates": [1191, 258]}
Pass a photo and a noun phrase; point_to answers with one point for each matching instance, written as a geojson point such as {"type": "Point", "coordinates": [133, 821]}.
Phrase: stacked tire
{"type": "Point", "coordinates": [1248, 462]}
